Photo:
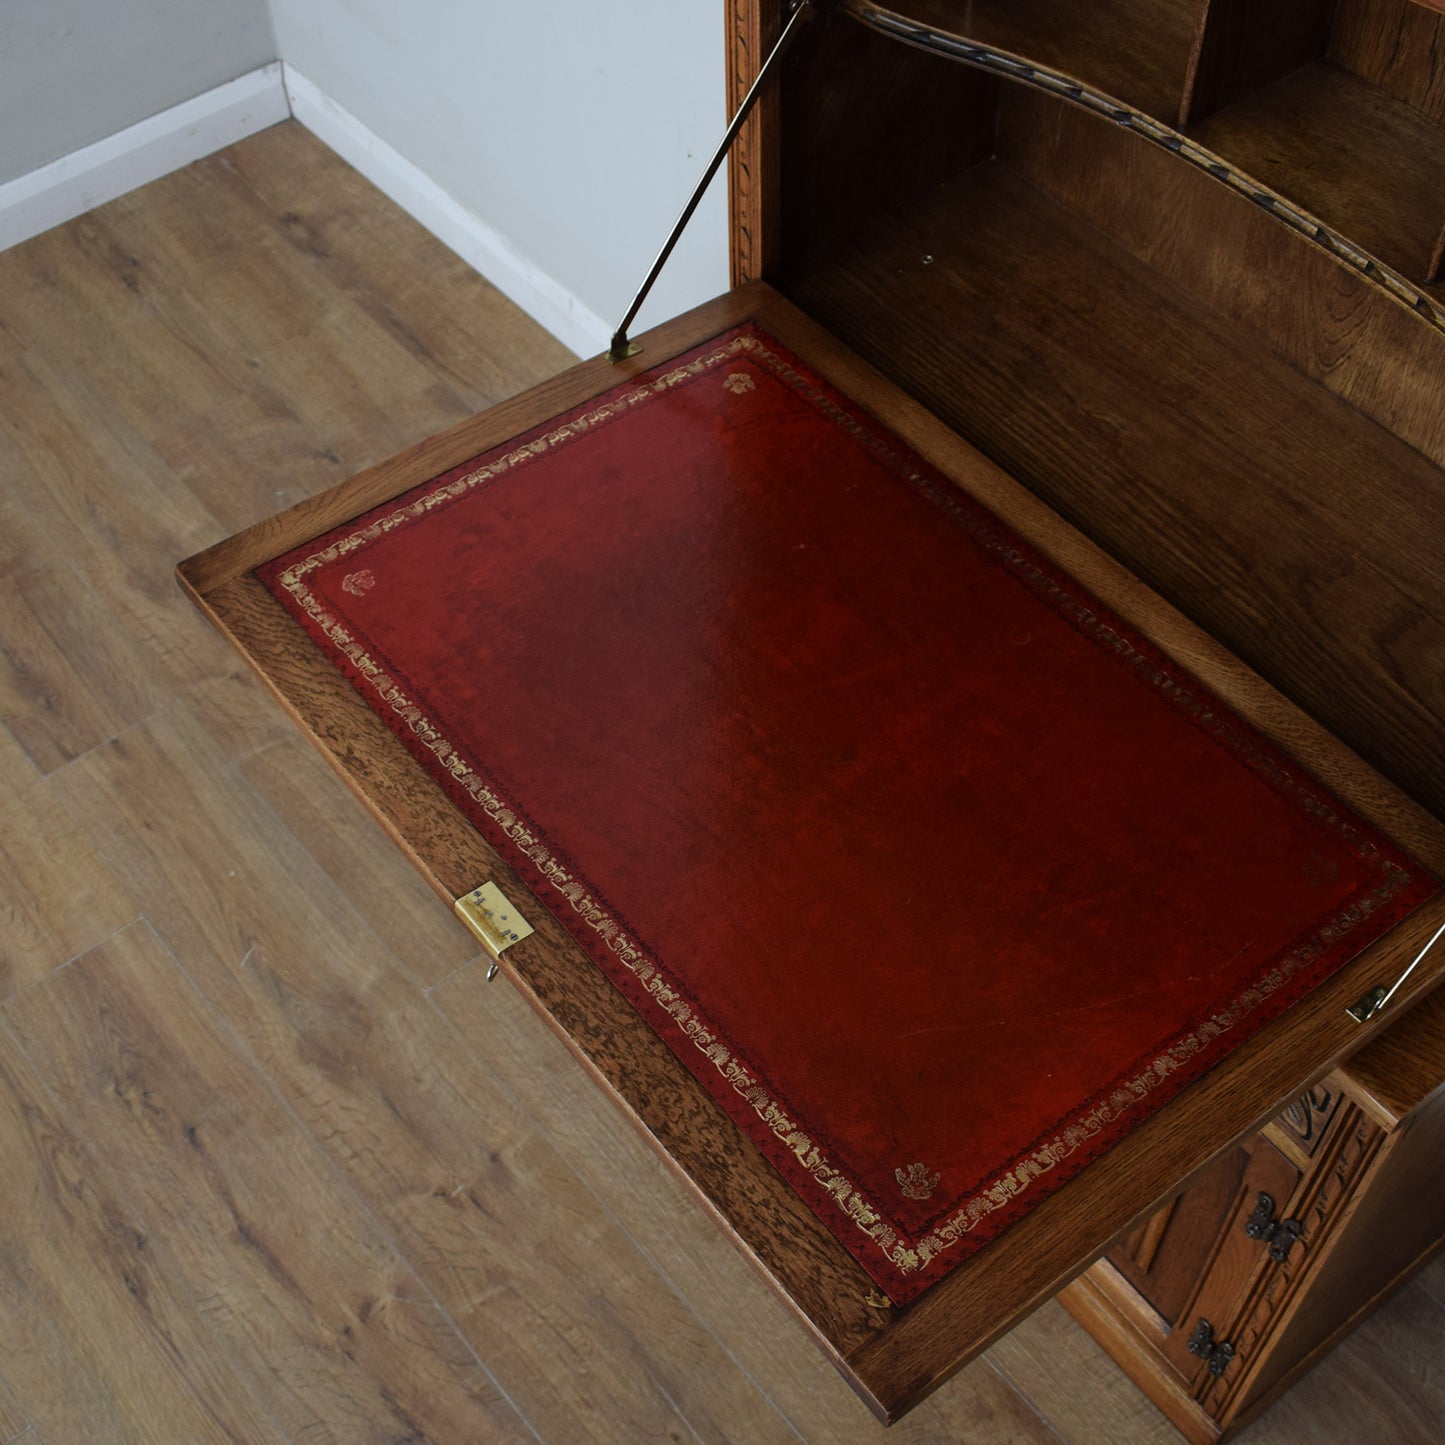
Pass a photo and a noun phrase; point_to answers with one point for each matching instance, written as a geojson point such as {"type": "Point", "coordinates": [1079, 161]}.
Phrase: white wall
{"type": "Point", "coordinates": [74, 71]}
{"type": "Point", "coordinates": [574, 128]}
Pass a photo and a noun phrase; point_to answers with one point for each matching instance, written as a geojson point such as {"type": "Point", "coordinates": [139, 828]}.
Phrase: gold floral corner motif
{"type": "Point", "coordinates": [916, 1181]}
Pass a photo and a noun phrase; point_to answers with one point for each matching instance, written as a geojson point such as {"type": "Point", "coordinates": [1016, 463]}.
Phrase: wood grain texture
{"type": "Point", "coordinates": [689, 1249]}
{"type": "Point", "coordinates": [1365, 163]}
{"type": "Point", "coordinates": [1398, 45]}
{"type": "Point", "coordinates": [1404, 1068]}
{"type": "Point", "coordinates": [59, 898]}
{"type": "Point", "coordinates": [1290, 295]}
{"type": "Point", "coordinates": [1374, 1241]}
{"type": "Point", "coordinates": [1350, 1384]}
{"type": "Point", "coordinates": [336, 830]}
{"type": "Point", "coordinates": [398, 1101]}
{"type": "Point", "coordinates": [70, 677]}
{"type": "Point", "coordinates": [896, 1364]}
{"type": "Point", "coordinates": [13, 1420]}
{"type": "Point", "coordinates": [333, 1013]}
{"type": "Point", "coordinates": [1043, 1357]}
{"type": "Point", "coordinates": [1225, 478]}
{"type": "Point", "coordinates": [867, 124]}
{"type": "Point", "coordinates": [328, 1324]}
{"type": "Point", "coordinates": [101, 1339]}
{"type": "Point", "coordinates": [752, 30]}
{"type": "Point", "coordinates": [1237, 51]}
{"type": "Point", "coordinates": [1137, 50]}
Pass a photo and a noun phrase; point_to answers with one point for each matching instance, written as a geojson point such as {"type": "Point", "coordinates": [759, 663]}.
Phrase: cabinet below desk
{"type": "Point", "coordinates": [1243, 1282]}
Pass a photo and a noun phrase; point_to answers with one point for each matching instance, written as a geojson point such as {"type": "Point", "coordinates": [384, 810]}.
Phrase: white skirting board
{"type": "Point", "coordinates": [140, 153]}
{"type": "Point", "coordinates": [486, 250]}
{"type": "Point", "coordinates": [144, 152]}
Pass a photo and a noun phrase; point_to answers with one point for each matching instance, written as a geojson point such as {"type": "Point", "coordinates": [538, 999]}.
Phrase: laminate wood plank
{"type": "Point", "coordinates": [106, 502]}
{"type": "Point", "coordinates": [1397, 45]}
{"type": "Point", "coordinates": [476, 345]}
{"type": "Point", "coordinates": [238, 714]}
{"type": "Point", "coordinates": [99, 1338]}
{"type": "Point", "coordinates": [339, 833]}
{"type": "Point", "coordinates": [58, 897]}
{"type": "Point", "coordinates": [13, 1420]}
{"type": "Point", "coordinates": [1045, 1357]}
{"type": "Point", "coordinates": [140, 339]}
{"type": "Point", "coordinates": [580, 1331]}
{"type": "Point", "coordinates": [1287, 525]}
{"type": "Point", "coordinates": [69, 675]}
{"type": "Point", "coordinates": [686, 1246]}
{"type": "Point", "coordinates": [326, 1321]}
{"type": "Point", "coordinates": [1365, 163]}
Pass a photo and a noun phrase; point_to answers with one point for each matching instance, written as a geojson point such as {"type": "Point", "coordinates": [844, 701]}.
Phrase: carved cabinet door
{"type": "Point", "coordinates": [1192, 1263]}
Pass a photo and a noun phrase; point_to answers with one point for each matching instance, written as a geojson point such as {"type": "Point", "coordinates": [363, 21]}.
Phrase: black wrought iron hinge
{"type": "Point", "coordinates": [1281, 1234]}
{"type": "Point", "coordinates": [1217, 1353]}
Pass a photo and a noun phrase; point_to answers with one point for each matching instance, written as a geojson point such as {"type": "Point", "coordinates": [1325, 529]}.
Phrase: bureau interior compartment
{"type": "Point", "coordinates": [1249, 423]}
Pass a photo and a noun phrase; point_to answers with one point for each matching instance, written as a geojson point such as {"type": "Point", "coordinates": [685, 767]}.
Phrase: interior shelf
{"type": "Point", "coordinates": [1171, 437]}
{"type": "Point", "coordinates": [1137, 50]}
{"type": "Point", "coordinates": [1367, 164]}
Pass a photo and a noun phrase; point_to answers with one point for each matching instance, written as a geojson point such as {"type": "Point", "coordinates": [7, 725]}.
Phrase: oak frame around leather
{"type": "Point", "coordinates": [892, 1357]}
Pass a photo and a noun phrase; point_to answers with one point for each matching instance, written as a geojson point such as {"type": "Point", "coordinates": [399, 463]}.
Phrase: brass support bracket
{"type": "Point", "coordinates": [1368, 1006]}
{"type": "Point", "coordinates": [621, 347]}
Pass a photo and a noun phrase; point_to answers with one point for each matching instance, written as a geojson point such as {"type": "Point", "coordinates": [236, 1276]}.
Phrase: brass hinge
{"type": "Point", "coordinates": [494, 919]}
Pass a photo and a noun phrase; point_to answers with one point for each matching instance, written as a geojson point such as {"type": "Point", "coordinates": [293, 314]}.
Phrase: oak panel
{"type": "Point", "coordinates": [1395, 44]}
{"type": "Point", "coordinates": [1235, 53]}
{"type": "Point", "coordinates": [1367, 164]}
{"type": "Point", "coordinates": [1381, 1382]}
{"type": "Point", "coordinates": [1138, 50]}
{"type": "Point", "coordinates": [1291, 528]}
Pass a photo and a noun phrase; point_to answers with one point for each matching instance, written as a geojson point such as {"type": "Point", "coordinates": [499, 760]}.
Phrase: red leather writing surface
{"type": "Point", "coordinates": [937, 876]}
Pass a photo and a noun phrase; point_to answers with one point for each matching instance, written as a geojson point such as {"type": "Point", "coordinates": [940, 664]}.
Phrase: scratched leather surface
{"type": "Point", "coordinates": [935, 874]}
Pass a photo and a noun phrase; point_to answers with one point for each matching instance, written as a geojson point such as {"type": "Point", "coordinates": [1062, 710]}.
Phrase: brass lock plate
{"type": "Point", "coordinates": [493, 918]}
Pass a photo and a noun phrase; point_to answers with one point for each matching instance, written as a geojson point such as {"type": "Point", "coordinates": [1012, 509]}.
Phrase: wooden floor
{"type": "Point", "coordinates": [275, 1164]}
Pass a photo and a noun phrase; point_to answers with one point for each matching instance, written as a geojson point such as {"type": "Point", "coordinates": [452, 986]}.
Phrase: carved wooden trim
{"type": "Point", "coordinates": [1353, 1148]}
{"type": "Point", "coordinates": [1306, 1120]}
{"type": "Point", "coordinates": [753, 26]}
{"type": "Point", "coordinates": [1142, 1247]}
